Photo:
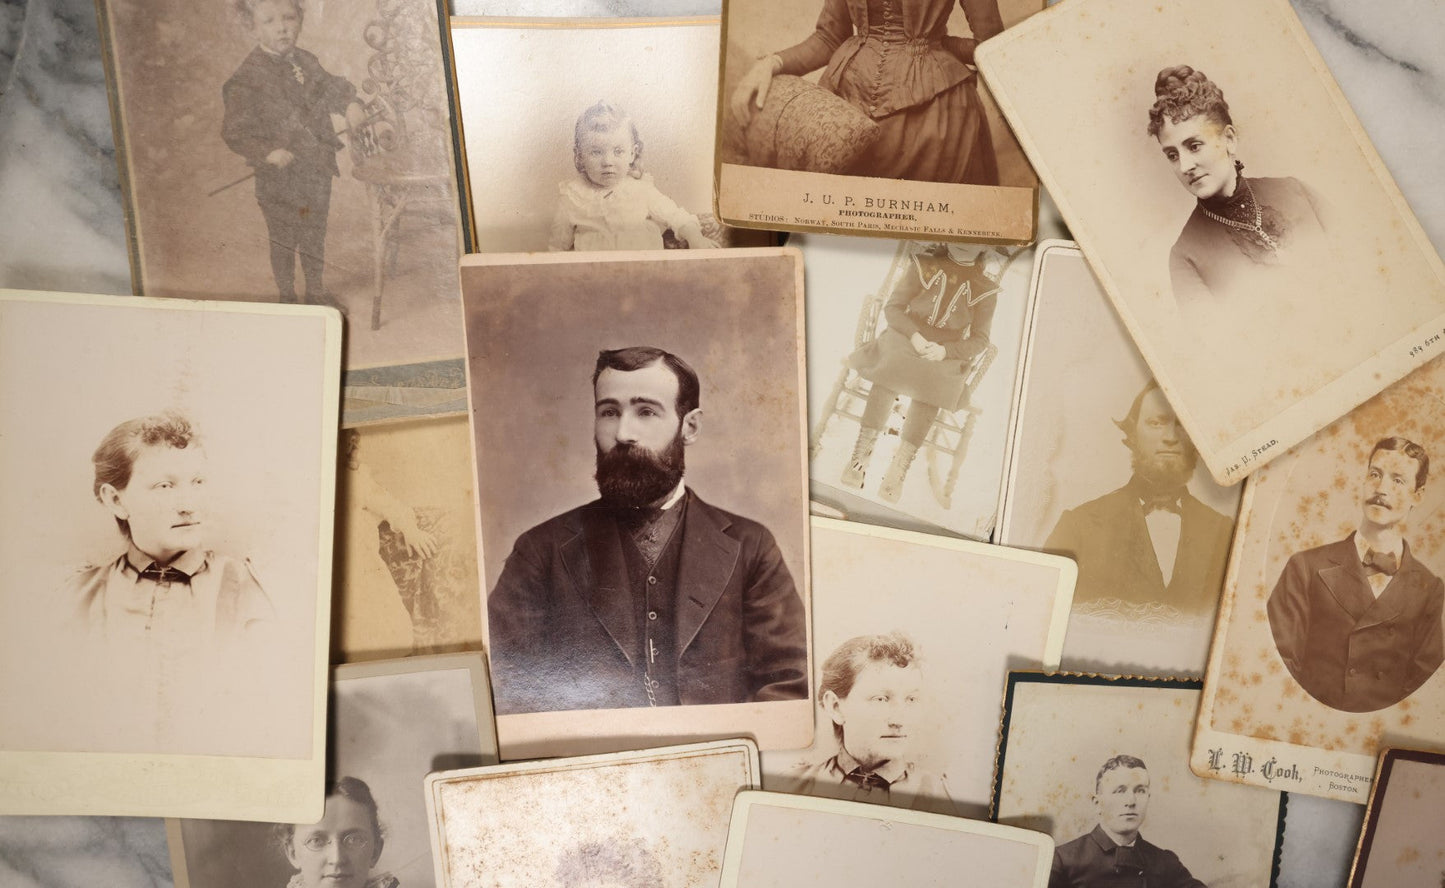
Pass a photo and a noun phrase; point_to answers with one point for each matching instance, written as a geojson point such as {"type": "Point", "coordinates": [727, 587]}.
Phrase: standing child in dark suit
{"type": "Point", "coordinates": [278, 117]}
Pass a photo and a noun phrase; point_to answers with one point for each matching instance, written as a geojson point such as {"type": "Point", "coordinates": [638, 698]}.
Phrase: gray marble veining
{"type": "Point", "coordinates": [62, 227]}
{"type": "Point", "coordinates": [83, 852]}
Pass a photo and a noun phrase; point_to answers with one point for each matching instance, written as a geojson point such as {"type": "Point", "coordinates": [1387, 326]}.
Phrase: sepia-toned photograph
{"type": "Point", "coordinates": [392, 723]}
{"type": "Point", "coordinates": [837, 116]}
{"type": "Point", "coordinates": [662, 571]}
{"type": "Point", "coordinates": [653, 817]}
{"type": "Point", "coordinates": [1232, 208]}
{"type": "Point", "coordinates": [852, 845]}
{"type": "Point", "coordinates": [294, 151]}
{"type": "Point", "coordinates": [620, 159]}
{"type": "Point", "coordinates": [915, 636]}
{"type": "Point", "coordinates": [1102, 765]}
{"type": "Point", "coordinates": [169, 520]}
{"type": "Point", "coordinates": [1400, 844]}
{"type": "Point", "coordinates": [408, 568]}
{"type": "Point", "coordinates": [913, 350]}
{"type": "Point", "coordinates": [1330, 645]}
{"type": "Point", "coordinates": [1106, 475]}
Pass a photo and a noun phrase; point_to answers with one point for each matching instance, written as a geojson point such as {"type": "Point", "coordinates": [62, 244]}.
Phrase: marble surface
{"type": "Point", "coordinates": [83, 852]}
{"type": "Point", "coordinates": [62, 228]}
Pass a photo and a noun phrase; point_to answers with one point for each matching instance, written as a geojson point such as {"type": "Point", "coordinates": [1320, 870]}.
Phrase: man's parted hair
{"type": "Point", "coordinates": [841, 668]}
{"type": "Point", "coordinates": [1410, 449]}
{"type": "Point", "coordinates": [114, 459]}
{"type": "Point", "coordinates": [636, 357]}
{"type": "Point", "coordinates": [1118, 761]}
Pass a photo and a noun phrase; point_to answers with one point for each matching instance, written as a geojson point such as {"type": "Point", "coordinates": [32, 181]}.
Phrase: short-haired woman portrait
{"type": "Point", "coordinates": [342, 848]}
{"type": "Point", "coordinates": [1239, 224]}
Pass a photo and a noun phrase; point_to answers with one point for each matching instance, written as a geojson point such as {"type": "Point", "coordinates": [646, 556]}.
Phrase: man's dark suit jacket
{"type": "Point", "coordinates": [1088, 862]}
{"type": "Point", "coordinates": [1346, 648]}
{"type": "Point", "coordinates": [1110, 541]}
{"type": "Point", "coordinates": [563, 623]}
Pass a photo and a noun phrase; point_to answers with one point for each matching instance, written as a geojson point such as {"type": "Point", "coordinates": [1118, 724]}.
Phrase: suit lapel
{"type": "Point", "coordinates": [595, 565]}
{"type": "Point", "coordinates": [1345, 578]}
{"type": "Point", "coordinates": [705, 567]}
{"type": "Point", "coordinates": [1193, 556]}
{"type": "Point", "coordinates": [1141, 555]}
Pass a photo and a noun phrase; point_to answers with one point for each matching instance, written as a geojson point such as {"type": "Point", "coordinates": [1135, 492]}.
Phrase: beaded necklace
{"type": "Point", "coordinates": [1256, 228]}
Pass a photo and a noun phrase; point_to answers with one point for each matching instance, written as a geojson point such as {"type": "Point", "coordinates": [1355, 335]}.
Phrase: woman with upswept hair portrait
{"type": "Point", "coordinates": [1239, 224]}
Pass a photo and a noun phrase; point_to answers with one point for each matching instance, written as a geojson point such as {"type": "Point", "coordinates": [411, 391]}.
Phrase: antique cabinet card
{"type": "Point", "coordinates": [675, 603]}
{"type": "Point", "coordinates": [408, 541]}
{"type": "Point", "coordinates": [912, 352]}
{"type": "Point", "coordinates": [895, 137]}
{"type": "Point", "coordinates": [1232, 207]}
{"type": "Point", "coordinates": [169, 469]}
{"type": "Point", "coordinates": [1328, 645]}
{"type": "Point", "coordinates": [853, 845]}
{"type": "Point", "coordinates": [653, 817]}
{"type": "Point", "coordinates": [915, 635]}
{"type": "Point", "coordinates": [275, 150]}
{"type": "Point", "coordinates": [1102, 764]}
{"type": "Point", "coordinates": [1400, 846]}
{"type": "Point", "coordinates": [1101, 470]}
{"type": "Point", "coordinates": [393, 722]}
{"type": "Point", "coordinates": [602, 138]}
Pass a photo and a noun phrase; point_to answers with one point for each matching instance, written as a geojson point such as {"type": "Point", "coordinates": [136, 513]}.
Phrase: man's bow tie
{"type": "Point", "coordinates": [1381, 562]}
{"type": "Point", "coordinates": [1162, 503]}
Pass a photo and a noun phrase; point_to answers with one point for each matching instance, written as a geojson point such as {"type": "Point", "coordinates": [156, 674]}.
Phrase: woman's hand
{"type": "Point", "coordinates": [928, 351]}
{"type": "Point", "coordinates": [752, 90]}
{"type": "Point", "coordinates": [418, 542]}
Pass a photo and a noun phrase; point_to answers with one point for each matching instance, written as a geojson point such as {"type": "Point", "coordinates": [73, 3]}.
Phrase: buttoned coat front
{"type": "Point", "coordinates": [1348, 649]}
{"type": "Point", "coordinates": [563, 626]}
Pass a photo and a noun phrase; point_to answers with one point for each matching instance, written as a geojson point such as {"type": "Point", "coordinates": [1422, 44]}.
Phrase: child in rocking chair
{"type": "Point", "coordinates": [612, 204]}
{"type": "Point", "coordinates": [278, 116]}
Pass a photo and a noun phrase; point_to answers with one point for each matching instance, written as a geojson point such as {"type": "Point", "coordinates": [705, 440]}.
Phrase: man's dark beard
{"type": "Point", "coordinates": [630, 475]}
{"type": "Point", "coordinates": [1165, 475]}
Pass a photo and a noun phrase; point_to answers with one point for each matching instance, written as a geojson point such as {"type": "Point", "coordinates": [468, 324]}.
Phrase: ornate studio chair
{"type": "Point", "coordinates": [399, 153]}
{"type": "Point", "coordinates": [951, 431]}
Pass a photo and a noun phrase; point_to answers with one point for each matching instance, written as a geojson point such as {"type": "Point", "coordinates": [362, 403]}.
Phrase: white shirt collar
{"type": "Point", "coordinates": [674, 497]}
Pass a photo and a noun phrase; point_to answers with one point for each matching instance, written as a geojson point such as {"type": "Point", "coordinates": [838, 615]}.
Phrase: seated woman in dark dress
{"type": "Point", "coordinates": [1239, 225]}
{"type": "Point", "coordinates": [938, 318]}
{"type": "Point", "coordinates": [896, 62]}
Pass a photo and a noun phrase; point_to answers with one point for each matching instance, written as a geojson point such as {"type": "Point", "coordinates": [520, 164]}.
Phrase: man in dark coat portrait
{"type": "Point", "coordinates": [648, 596]}
{"type": "Point", "coordinates": [1151, 542]}
{"type": "Point", "coordinates": [1358, 622]}
{"type": "Point", "coordinates": [1113, 854]}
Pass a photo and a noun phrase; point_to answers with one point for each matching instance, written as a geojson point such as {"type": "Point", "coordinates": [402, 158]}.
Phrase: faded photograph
{"type": "Point", "coordinates": [166, 517]}
{"type": "Point", "coordinates": [868, 91]}
{"type": "Point", "coordinates": [913, 424]}
{"type": "Point", "coordinates": [1401, 845]}
{"type": "Point", "coordinates": [294, 151]}
{"type": "Point", "coordinates": [610, 161]}
{"type": "Point", "coordinates": [896, 723]}
{"type": "Point", "coordinates": [392, 724]}
{"type": "Point", "coordinates": [1103, 766]}
{"type": "Point", "coordinates": [1107, 475]}
{"type": "Point", "coordinates": [657, 817]}
{"type": "Point", "coordinates": [661, 566]}
{"type": "Point", "coordinates": [409, 572]}
{"type": "Point", "coordinates": [1333, 638]}
{"type": "Point", "coordinates": [1226, 196]}
{"type": "Point", "coordinates": [846, 845]}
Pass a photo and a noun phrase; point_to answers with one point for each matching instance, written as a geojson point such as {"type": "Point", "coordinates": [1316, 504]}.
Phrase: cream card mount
{"type": "Point", "coordinates": [855, 845]}
{"type": "Point", "coordinates": [170, 468]}
{"type": "Point", "coordinates": [1232, 208]}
